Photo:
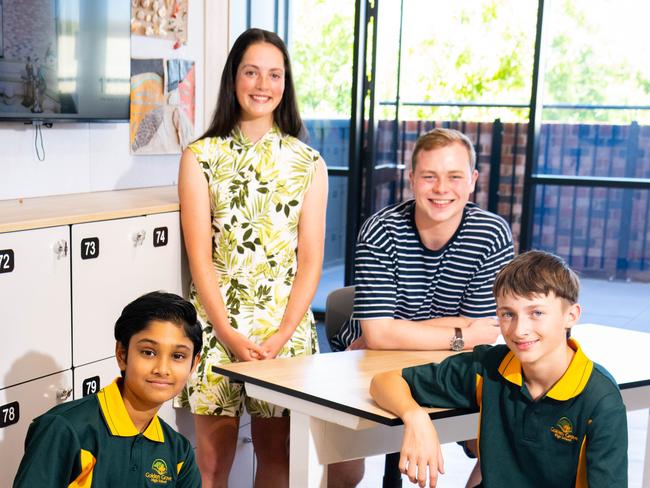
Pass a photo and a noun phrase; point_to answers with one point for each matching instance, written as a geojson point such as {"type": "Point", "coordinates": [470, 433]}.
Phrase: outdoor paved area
{"type": "Point", "coordinates": [614, 303]}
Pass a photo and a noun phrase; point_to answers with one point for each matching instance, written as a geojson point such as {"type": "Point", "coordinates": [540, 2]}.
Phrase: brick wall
{"type": "Point", "coordinates": [601, 232]}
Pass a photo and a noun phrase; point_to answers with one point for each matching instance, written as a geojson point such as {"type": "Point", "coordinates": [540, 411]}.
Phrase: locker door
{"type": "Point", "coordinates": [35, 297]}
{"type": "Point", "coordinates": [18, 406]}
{"type": "Point", "coordinates": [242, 473]}
{"type": "Point", "coordinates": [166, 269]}
{"type": "Point", "coordinates": [165, 262]}
{"type": "Point", "coordinates": [180, 419]}
{"type": "Point", "coordinates": [107, 274]}
{"type": "Point", "coordinates": [92, 377]}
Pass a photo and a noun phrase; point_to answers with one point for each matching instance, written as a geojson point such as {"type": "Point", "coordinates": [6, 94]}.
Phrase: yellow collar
{"type": "Point", "coordinates": [117, 418]}
{"type": "Point", "coordinates": [572, 382]}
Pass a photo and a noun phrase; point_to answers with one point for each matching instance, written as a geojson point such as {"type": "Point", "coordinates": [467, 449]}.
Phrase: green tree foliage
{"type": "Point", "coordinates": [472, 51]}
{"type": "Point", "coordinates": [321, 51]}
{"type": "Point", "coordinates": [593, 59]}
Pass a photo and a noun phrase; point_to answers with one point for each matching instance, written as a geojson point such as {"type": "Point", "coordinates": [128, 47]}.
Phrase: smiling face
{"type": "Point", "coordinates": [157, 365]}
{"type": "Point", "coordinates": [442, 182]}
{"type": "Point", "coordinates": [259, 83]}
{"type": "Point", "coordinates": [534, 328]}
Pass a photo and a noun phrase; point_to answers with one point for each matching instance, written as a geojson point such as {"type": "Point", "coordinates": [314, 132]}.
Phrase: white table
{"type": "Point", "coordinates": [334, 419]}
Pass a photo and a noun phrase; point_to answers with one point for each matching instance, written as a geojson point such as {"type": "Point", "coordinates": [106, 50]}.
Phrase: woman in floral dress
{"type": "Point", "coordinates": [253, 199]}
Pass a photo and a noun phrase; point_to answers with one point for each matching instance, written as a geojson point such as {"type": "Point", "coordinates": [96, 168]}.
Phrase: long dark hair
{"type": "Point", "coordinates": [227, 113]}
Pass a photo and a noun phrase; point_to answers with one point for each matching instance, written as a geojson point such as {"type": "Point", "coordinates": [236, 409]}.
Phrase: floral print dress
{"type": "Point", "coordinates": [256, 194]}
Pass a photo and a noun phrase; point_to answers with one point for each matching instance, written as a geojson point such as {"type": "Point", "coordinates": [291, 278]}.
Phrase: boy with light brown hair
{"type": "Point", "coordinates": [549, 415]}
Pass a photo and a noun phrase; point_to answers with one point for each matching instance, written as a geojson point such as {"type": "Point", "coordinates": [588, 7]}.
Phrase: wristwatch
{"type": "Point", "coordinates": [457, 342]}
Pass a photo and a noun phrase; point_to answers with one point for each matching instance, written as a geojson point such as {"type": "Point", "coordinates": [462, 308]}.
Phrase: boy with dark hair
{"type": "Point", "coordinates": [114, 438]}
{"type": "Point", "coordinates": [549, 415]}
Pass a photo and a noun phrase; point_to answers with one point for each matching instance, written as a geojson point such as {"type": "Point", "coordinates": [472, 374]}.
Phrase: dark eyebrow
{"type": "Point", "coordinates": [155, 343]}
{"type": "Point", "coordinates": [249, 65]}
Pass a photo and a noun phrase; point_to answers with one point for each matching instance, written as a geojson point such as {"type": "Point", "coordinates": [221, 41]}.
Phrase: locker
{"type": "Point", "coordinates": [164, 261]}
{"type": "Point", "coordinates": [25, 402]}
{"type": "Point", "coordinates": [35, 297]}
{"type": "Point", "coordinates": [179, 419]}
{"type": "Point", "coordinates": [242, 473]}
{"type": "Point", "coordinates": [92, 377]}
{"type": "Point", "coordinates": [107, 273]}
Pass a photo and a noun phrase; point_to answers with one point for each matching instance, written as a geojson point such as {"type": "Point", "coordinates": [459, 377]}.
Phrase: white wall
{"type": "Point", "coordinates": [89, 157]}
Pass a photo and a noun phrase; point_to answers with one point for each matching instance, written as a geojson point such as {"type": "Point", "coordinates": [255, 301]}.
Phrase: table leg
{"type": "Point", "coordinates": [305, 469]}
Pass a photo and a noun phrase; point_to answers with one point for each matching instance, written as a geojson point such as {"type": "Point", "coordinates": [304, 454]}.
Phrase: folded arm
{"type": "Point", "coordinates": [427, 334]}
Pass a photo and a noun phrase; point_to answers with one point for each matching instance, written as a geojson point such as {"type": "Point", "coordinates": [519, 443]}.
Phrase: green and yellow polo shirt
{"type": "Point", "coordinates": [92, 442]}
{"type": "Point", "coordinates": [574, 436]}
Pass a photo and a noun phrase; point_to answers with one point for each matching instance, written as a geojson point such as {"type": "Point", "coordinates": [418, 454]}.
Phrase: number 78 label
{"type": "Point", "coordinates": [9, 414]}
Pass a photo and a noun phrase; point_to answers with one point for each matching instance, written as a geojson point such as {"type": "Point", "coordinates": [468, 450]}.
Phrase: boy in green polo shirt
{"type": "Point", "coordinates": [549, 417]}
{"type": "Point", "coordinates": [114, 438]}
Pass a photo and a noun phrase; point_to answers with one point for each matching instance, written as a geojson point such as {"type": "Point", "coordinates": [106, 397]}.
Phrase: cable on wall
{"type": "Point", "coordinates": [38, 138]}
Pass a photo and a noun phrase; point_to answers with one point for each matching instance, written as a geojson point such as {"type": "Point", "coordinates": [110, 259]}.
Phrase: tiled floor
{"type": "Point", "coordinates": [618, 304]}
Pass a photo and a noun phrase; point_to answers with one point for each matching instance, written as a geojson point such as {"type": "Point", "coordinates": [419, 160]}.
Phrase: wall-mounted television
{"type": "Point", "coordinates": [65, 60]}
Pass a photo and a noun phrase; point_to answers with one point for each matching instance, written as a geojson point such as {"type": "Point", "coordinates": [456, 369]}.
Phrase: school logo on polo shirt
{"type": "Point", "coordinates": [160, 474]}
{"type": "Point", "coordinates": [563, 430]}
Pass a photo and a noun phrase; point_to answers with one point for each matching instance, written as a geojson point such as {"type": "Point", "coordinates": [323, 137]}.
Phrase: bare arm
{"type": "Point", "coordinates": [420, 450]}
{"type": "Point", "coordinates": [427, 334]}
{"type": "Point", "coordinates": [194, 199]}
{"type": "Point", "coordinates": [311, 241]}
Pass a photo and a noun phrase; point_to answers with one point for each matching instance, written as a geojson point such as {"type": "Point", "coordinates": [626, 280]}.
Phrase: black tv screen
{"type": "Point", "coordinates": [65, 60]}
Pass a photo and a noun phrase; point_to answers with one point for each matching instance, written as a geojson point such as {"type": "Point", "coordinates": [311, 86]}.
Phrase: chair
{"type": "Point", "coordinates": [338, 309]}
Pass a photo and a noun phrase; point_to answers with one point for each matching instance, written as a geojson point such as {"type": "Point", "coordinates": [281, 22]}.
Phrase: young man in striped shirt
{"type": "Point", "coordinates": [424, 268]}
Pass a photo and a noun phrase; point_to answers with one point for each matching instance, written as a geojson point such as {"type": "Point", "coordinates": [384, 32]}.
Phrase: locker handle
{"type": "Point", "coordinates": [138, 238]}
{"type": "Point", "coordinates": [61, 248]}
{"type": "Point", "coordinates": [63, 394]}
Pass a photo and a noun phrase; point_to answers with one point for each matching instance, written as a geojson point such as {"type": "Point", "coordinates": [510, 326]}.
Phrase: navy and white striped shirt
{"type": "Point", "coordinates": [397, 277]}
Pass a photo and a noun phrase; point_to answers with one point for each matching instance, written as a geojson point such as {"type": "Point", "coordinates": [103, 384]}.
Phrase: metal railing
{"type": "Point", "coordinates": [592, 202]}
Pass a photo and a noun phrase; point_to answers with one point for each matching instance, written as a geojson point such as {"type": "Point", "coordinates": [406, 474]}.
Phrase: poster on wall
{"type": "Point", "coordinates": [162, 105]}
{"type": "Point", "coordinates": [165, 19]}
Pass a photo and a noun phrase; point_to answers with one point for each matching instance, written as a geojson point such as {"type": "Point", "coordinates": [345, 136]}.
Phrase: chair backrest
{"type": "Point", "coordinates": [338, 309]}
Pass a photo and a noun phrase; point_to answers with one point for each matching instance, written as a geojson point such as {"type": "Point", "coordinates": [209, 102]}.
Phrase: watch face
{"type": "Point", "coordinates": [457, 344]}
